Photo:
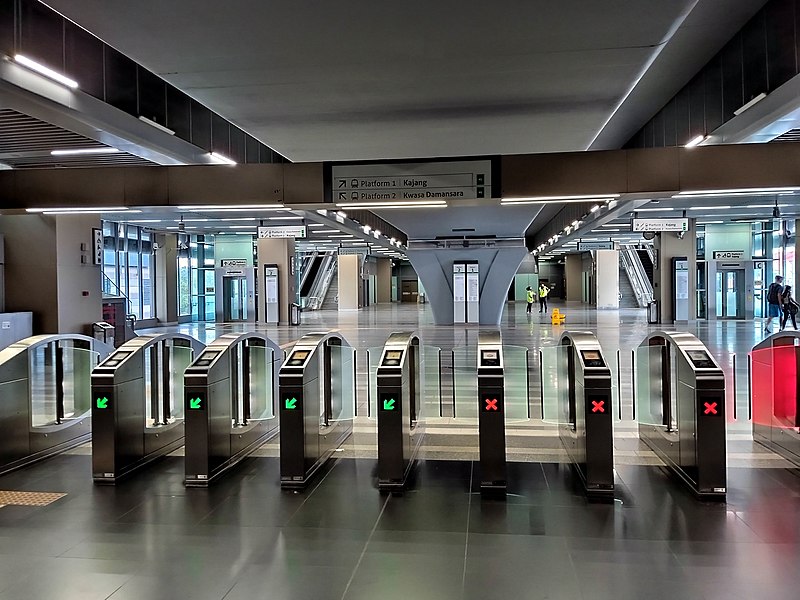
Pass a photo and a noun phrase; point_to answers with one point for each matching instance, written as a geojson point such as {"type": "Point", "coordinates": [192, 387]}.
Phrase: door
{"type": "Point", "coordinates": [409, 291]}
{"type": "Point", "coordinates": [730, 291]}
{"type": "Point", "coordinates": [234, 290]}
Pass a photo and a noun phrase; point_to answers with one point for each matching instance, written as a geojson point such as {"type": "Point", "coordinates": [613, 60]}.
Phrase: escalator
{"type": "Point", "coordinates": [309, 270]}
{"type": "Point", "coordinates": [647, 263]}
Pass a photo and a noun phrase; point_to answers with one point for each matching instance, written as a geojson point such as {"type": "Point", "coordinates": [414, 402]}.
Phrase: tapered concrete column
{"type": "Point", "coordinates": [496, 270]}
{"type": "Point", "coordinates": [280, 252]}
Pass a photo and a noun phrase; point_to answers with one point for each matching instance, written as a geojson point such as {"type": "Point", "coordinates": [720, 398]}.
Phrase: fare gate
{"type": "Point", "coordinates": [46, 396]}
{"type": "Point", "coordinates": [775, 367]}
{"type": "Point", "coordinates": [317, 398]}
{"type": "Point", "coordinates": [586, 428]}
{"type": "Point", "coordinates": [491, 412]}
{"type": "Point", "coordinates": [229, 408]}
{"type": "Point", "coordinates": [680, 392]}
{"type": "Point", "coordinates": [137, 404]}
{"type": "Point", "coordinates": [399, 405]}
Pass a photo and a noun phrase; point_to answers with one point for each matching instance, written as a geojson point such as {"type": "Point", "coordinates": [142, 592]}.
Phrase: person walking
{"type": "Point", "coordinates": [543, 291]}
{"type": "Point", "coordinates": [774, 301]}
{"type": "Point", "coordinates": [529, 299]}
{"type": "Point", "coordinates": [790, 308]}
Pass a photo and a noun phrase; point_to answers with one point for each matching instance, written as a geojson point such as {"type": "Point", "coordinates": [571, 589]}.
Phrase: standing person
{"type": "Point", "coordinates": [789, 307]}
{"type": "Point", "coordinates": [529, 298]}
{"type": "Point", "coordinates": [543, 291]}
{"type": "Point", "coordinates": [774, 301]}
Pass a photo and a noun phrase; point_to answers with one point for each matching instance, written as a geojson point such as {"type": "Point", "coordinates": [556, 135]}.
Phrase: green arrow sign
{"type": "Point", "coordinates": [195, 403]}
{"type": "Point", "coordinates": [291, 403]}
{"type": "Point", "coordinates": [388, 404]}
{"type": "Point", "coordinates": [102, 402]}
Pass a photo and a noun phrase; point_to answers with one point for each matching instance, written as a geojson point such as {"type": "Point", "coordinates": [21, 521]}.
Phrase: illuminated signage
{"type": "Point", "coordinates": [102, 403]}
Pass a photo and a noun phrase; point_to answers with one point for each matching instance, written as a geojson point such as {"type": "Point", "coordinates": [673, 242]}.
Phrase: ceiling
{"type": "Point", "coordinates": [374, 80]}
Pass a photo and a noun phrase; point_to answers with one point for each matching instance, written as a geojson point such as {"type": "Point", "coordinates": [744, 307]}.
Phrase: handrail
{"type": "Point", "coordinates": [321, 285]}
{"type": "Point", "coordinates": [110, 291]}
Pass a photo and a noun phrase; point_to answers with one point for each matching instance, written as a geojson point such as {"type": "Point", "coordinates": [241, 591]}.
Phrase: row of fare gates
{"type": "Point", "coordinates": [223, 401]}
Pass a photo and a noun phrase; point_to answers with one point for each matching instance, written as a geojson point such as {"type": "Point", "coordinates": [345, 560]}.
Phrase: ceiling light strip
{"type": "Point", "coordinates": [46, 71]}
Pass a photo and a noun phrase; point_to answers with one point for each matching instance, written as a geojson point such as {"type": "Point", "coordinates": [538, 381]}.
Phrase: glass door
{"type": "Point", "coordinates": [234, 291]}
{"type": "Point", "coordinates": [730, 294]}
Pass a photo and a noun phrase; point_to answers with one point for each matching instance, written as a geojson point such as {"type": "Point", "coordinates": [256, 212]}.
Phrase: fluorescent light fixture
{"type": "Point", "coordinates": [595, 208]}
{"type": "Point", "coordinates": [239, 226]}
{"type": "Point", "coordinates": [322, 212]}
{"type": "Point", "coordinates": [710, 222]}
{"type": "Point", "coordinates": [285, 218]}
{"type": "Point", "coordinates": [750, 104]}
{"type": "Point", "coordinates": [576, 224]}
{"type": "Point", "coordinates": [341, 214]}
{"type": "Point", "coordinates": [709, 208]}
{"type": "Point", "coordinates": [341, 236]}
{"type": "Point", "coordinates": [46, 71]}
{"type": "Point", "coordinates": [545, 199]}
{"type": "Point", "coordinates": [392, 240]}
{"type": "Point", "coordinates": [233, 207]}
{"type": "Point", "coordinates": [738, 191]}
{"type": "Point", "coordinates": [67, 209]}
{"type": "Point", "coordinates": [614, 225]}
{"type": "Point", "coordinates": [366, 228]}
{"type": "Point", "coordinates": [88, 211]}
{"type": "Point", "coordinates": [146, 221]}
{"type": "Point", "coordinates": [377, 233]}
{"type": "Point", "coordinates": [157, 125]}
{"type": "Point", "coordinates": [410, 204]}
{"type": "Point", "coordinates": [653, 209]}
{"type": "Point", "coordinates": [221, 159]}
{"type": "Point", "coordinates": [81, 151]}
{"type": "Point", "coordinates": [695, 141]}
{"type": "Point", "coordinates": [316, 225]}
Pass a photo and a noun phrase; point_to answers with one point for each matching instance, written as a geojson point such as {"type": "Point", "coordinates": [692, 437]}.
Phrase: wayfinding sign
{"type": "Point", "coordinates": [412, 182]}
{"type": "Point", "coordinates": [283, 231]}
{"type": "Point", "coordinates": [595, 245]}
{"type": "Point", "coordinates": [674, 224]}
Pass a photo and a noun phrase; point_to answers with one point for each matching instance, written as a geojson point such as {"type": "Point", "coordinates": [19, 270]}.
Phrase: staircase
{"type": "Point", "coordinates": [627, 295]}
{"type": "Point", "coordinates": [332, 296]}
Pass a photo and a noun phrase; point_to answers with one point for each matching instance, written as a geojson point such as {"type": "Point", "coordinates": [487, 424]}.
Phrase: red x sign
{"type": "Point", "coordinates": [598, 406]}
{"type": "Point", "coordinates": [711, 408]}
{"type": "Point", "coordinates": [491, 404]}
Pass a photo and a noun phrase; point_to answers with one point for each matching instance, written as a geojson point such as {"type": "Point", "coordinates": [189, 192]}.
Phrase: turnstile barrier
{"type": "Point", "coordinates": [230, 393]}
{"type": "Point", "coordinates": [400, 399]}
{"type": "Point", "coordinates": [45, 396]}
{"type": "Point", "coordinates": [316, 402]}
{"type": "Point", "coordinates": [586, 427]}
{"type": "Point", "coordinates": [138, 403]}
{"type": "Point", "coordinates": [775, 389]}
{"type": "Point", "coordinates": [680, 395]}
{"type": "Point", "coordinates": [491, 412]}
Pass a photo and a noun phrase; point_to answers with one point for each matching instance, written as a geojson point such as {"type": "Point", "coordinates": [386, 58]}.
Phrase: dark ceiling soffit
{"type": "Point", "coordinates": [644, 172]}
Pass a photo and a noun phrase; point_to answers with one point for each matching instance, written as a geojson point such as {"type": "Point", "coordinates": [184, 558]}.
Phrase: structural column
{"type": "Point", "coordinates": [669, 246]}
{"type": "Point", "coordinates": [350, 283]}
{"type": "Point", "coordinates": [166, 269]}
{"type": "Point", "coordinates": [384, 280]}
{"type": "Point", "coordinates": [49, 271]}
{"type": "Point", "coordinates": [607, 278]}
{"type": "Point", "coordinates": [279, 252]}
{"type": "Point", "coordinates": [573, 273]}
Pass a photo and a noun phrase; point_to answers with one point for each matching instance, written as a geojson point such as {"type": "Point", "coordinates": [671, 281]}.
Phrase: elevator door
{"type": "Point", "coordinates": [234, 290]}
{"type": "Point", "coordinates": [730, 290]}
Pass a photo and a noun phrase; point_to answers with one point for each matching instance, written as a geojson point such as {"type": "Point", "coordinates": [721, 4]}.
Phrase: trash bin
{"type": "Point", "coordinates": [294, 314]}
{"type": "Point", "coordinates": [103, 332]}
{"type": "Point", "coordinates": [652, 313]}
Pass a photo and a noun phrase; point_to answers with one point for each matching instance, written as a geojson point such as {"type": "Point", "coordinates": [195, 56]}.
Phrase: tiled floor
{"type": "Point", "coordinates": [244, 538]}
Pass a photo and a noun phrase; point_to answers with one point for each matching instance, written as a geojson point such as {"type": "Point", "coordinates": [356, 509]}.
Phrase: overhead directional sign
{"type": "Point", "coordinates": [674, 224]}
{"type": "Point", "coordinates": [283, 231]}
{"type": "Point", "coordinates": [411, 182]}
{"type": "Point", "coordinates": [595, 245]}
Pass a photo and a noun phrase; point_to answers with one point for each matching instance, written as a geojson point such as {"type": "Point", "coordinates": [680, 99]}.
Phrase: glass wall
{"type": "Point", "coordinates": [196, 285]}
{"type": "Point", "coordinates": [127, 267]}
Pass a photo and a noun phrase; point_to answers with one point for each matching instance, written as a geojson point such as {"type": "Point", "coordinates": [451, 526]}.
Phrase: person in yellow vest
{"type": "Point", "coordinates": [529, 297]}
{"type": "Point", "coordinates": [543, 291]}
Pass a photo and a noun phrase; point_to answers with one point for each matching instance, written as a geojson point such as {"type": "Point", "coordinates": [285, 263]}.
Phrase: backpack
{"type": "Point", "coordinates": [772, 293]}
